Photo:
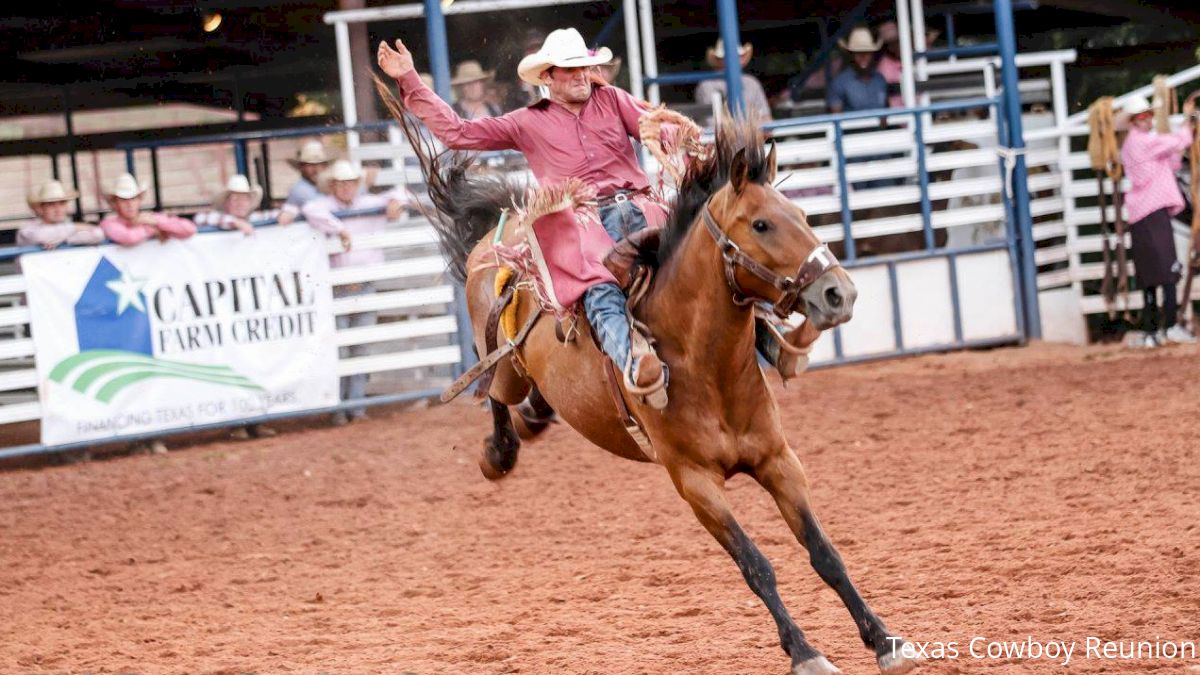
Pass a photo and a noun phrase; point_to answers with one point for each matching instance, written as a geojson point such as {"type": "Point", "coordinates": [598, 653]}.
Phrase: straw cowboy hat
{"type": "Point", "coordinates": [126, 187]}
{"type": "Point", "coordinates": [563, 48]}
{"type": "Point", "coordinates": [470, 71]}
{"type": "Point", "coordinates": [50, 191]}
{"type": "Point", "coordinates": [241, 185]}
{"type": "Point", "coordinates": [860, 41]}
{"type": "Point", "coordinates": [716, 55]}
{"type": "Point", "coordinates": [312, 152]}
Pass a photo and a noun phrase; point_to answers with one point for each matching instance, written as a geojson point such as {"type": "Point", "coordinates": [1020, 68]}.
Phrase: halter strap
{"type": "Point", "coordinates": [818, 262]}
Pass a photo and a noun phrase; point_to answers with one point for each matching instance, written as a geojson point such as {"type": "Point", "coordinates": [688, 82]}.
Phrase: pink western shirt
{"type": "Point", "coordinates": [592, 146]}
{"type": "Point", "coordinates": [125, 233]}
{"type": "Point", "coordinates": [891, 70]}
{"type": "Point", "coordinates": [1151, 160]}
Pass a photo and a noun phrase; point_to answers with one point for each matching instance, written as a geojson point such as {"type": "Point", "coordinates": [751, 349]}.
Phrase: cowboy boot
{"type": "Point", "coordinates": [630, 252]}
{"type": "Point", "coordinates": [645, 374]}
{"type": "Point", "coordinates": [788, 349]}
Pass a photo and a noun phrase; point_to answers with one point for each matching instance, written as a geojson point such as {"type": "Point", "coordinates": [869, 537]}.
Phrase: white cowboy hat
{"type": "Point", "coordinates": [312, 152]}
{"type": "Point", "coordinates": [716, 55]}
{"type": "Point", "coordinates": [126, 187]}
{"type": "Point", "coordinates": [563, 48]}
{"type": "Point", "coordinates": [860, 41]}
{"type": "Point", "coordinates": [344, 170]}
{"type": "Point", "coordinates": [470, 71]}
{"type": "Point", "coordinates": [50, 191]}
{"type": "Point", "coordinates": [1135, 105]}
{"type": "Point", "coordinates": [239, 184]}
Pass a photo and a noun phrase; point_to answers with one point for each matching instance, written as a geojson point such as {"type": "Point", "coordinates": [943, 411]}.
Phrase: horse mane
{"type": "Point", "coordinates": [467, 200]}
{"type": "Point", "coordinates": [705, 176]}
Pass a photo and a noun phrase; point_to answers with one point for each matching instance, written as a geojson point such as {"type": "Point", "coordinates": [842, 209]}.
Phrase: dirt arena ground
{"type": "Point", "coordinates": [1047, 492]}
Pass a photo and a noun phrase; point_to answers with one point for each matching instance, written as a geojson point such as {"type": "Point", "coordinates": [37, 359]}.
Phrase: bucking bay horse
{"type": "Point", "coordinates": [732, 239]}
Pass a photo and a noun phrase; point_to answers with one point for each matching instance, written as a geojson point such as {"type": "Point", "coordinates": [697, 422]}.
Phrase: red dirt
{"type": "Point", "coordinates": [1046, 492]}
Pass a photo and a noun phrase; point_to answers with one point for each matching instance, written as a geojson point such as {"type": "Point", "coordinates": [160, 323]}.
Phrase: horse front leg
{"type": "Point", "coordinates": [705, 491]}
{"type": "Point", "coordinates": [783, 476]}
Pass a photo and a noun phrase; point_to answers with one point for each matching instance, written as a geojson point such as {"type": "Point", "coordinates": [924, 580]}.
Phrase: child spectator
{"type": "Point", "coordinates": [345, 194]}
{"type": "Point", "coordinates": [236, 208]}
{"type": "Point", "coordinates": [128, 225]}
{"type": "Point", "coordinates": [52, 226]}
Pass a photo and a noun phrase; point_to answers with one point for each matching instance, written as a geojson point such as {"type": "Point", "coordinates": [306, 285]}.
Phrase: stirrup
{"type": "Point", "coordinates": [653, 394]}
{"type": "Point", "coordinates": [785, 352]}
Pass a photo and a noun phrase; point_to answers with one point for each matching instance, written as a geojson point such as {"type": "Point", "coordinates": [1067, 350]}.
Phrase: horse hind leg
{"type": "Point", "coordinates": [501, 448]}
{"type": "Point", "coordinates": [705, 493]}
{"type": "Point", "coordinates": [783, 476]}
{"type": "Point", "coordinates": [534, 415]}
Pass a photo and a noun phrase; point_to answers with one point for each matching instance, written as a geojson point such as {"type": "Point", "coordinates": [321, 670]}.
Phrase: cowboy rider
{"type": "Point", "coordinates": [582, 131]}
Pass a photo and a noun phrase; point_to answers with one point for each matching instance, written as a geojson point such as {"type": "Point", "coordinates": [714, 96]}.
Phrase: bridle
{"type": "Point", "coordinates": [818, 262]}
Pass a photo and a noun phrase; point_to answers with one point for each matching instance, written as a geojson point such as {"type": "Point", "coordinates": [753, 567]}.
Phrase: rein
{"type": "Point", "coordinates": [818, 262]}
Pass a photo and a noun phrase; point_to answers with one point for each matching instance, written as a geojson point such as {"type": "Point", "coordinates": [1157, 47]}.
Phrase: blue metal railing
{"type": "Point", "coordinates": [1016, 239]}
{"type": "Point", "coordinates": [839, 119]}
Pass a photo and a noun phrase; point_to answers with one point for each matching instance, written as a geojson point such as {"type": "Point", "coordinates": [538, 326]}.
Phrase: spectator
{"type": "Point", "coordinates": [797, 89]}
{"type": "Point", "coordinates": [890, 66]}
{"type": "Point", "coordinates": [345, 195]}
{"type": "Point", "coordinates": [470, 84]}
{"type": "Point", "coordinates": [128, 225]}
{"type": "Point", "coordinates": [859, 87]}
{"type": "Point", "coordinates": [524, 93]}
{"type": "Point", "coordinates": [752, 90]}
{"type": "Point", "coordinates": [234, 209]}
{"type": "Point", "coordinates": [611, 70]}
{"type": "Point", "coordinates": [310, 161]}
{"type": "Point", "coordinates": [1151, 160]}
{"type": "Point", "coordinates": [52, 226]}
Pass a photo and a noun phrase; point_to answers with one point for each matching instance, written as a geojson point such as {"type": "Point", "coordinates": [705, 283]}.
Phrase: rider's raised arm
{"type": "Point", "coordinates": [489, 133]}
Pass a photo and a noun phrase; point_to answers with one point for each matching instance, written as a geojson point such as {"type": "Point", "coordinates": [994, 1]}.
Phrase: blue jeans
{"type": "Point", "coordinates": [622, 219]}
{"type": "Point", "coordinates": [355, 386]}
{"type": "Point", "coordinates": [604, 304]}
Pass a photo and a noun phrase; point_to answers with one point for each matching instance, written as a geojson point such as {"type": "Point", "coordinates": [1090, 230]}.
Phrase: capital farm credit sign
{"type": "Point", "coordinates": [175, 334]}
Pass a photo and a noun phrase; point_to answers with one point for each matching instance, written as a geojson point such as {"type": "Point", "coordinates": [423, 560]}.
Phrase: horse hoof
{"type": "Point", "coordinates": [496, 462]}
{"type": "Point", "coordinates": [895, 663]}
{"type": "Point", "coordinates": [818, 665]}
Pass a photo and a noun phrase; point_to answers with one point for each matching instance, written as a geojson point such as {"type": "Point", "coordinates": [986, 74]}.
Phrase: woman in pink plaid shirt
{"type": "Point", "coordinates": [1151, 160]}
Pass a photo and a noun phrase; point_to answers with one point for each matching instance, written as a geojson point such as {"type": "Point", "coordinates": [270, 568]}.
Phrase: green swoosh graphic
{"type": "Point", "coordinates": [92, 365]}
{"type": "Point", "coordinates": [64, 367]}
{"type": "Point", "coordinates": [93, 373]}
{"type": "Point", "coordinates": [114, 387]}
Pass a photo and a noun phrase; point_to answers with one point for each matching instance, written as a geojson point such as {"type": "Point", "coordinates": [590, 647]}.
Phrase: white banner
{"type": "Point", "coordinates": [170, 335]}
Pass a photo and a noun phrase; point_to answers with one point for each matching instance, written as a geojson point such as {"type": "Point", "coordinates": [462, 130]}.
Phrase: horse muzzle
{"type": "Point", "coordinates": [829, 301]}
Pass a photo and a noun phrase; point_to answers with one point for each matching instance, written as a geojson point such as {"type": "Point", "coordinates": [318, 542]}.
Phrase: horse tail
{"type": "Point", "coordinates": [467, 202]}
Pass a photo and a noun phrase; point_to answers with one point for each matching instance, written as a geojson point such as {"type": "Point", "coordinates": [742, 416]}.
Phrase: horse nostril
{"type": "Point", "coordinates": [833, 297]}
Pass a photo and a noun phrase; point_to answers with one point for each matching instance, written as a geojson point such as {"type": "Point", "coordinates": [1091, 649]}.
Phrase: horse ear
{"type": "Point", "coordinates": [771, 165]}
{"type": "Point", "coordinates": [739, 171]}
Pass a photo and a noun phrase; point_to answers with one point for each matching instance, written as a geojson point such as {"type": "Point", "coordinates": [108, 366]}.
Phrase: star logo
{"type": "Point", "coordinates": [129, 292]}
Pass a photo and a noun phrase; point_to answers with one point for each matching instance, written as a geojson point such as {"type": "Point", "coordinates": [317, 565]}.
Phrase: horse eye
{"type": "Point", "coordinates": [760, 226]}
